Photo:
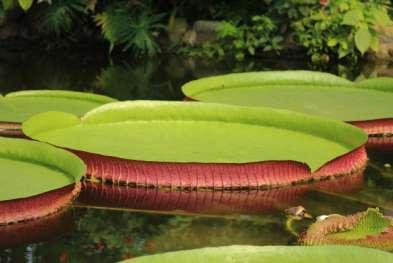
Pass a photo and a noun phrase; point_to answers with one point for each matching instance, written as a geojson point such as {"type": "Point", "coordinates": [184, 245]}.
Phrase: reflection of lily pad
{"type": "Point", "coordinates": [38, 230]}
{"type": "Point", "coordinates": [194, 202]}
{"type": "Point", "coordinates": [37, 179]}
{"type": "Point", "coordinates": [19, 106]}
{"type": "Point", "coordinates": [369, 228]}
{"type": "Point", "coordinates": [272, 254]}
{"type": "Point", "coordinates": [192, 141]}
{"type": "Point", "coordinates": [220, 202]}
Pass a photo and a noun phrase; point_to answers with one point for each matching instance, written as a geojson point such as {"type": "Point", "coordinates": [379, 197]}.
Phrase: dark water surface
{"type": "Point", "coordinates": [102, 227]}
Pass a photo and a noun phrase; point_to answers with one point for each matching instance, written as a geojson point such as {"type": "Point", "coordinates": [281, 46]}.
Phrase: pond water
{"type": "Point", "coordinates": [102, 227]}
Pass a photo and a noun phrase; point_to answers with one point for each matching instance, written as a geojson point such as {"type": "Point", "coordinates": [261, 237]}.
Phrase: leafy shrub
{"type": "Point", "coordinates": [59, 16]}
{"type": "Point", "coordinates": [342, 28]}
{"type": "Point", "coordinates": [324, 29]}
{"type": "Point", "coordinates": [234, 38]}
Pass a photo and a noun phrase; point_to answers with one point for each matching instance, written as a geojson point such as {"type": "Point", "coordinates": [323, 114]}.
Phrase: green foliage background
{"type": "Point", "coordinates": [321, 30]}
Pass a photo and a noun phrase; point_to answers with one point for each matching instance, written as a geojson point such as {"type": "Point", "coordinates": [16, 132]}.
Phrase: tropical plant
{"type": "Point", "coordinates": [238, 39]}
{"type": "Point", "coordinates": [341, 27]}
{"type": "Point", "coordinates": [134, 29]}
{"type": "Point", "coordinates": [59, 16]}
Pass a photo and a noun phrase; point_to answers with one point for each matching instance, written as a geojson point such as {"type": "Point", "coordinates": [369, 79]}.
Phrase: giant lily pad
{"type": "Point", "coordinates": [18, 106]}
{"type": "Point", "coordinates": [309, 92]}
{"type": "Point", "coordinates": [192, 141]}
{"type": "Point", "coordinates": [370, 229]}
{"type": "Point", "coordinates": [272, 254]}
{"type": "Point", "coordinates": [37, 179]}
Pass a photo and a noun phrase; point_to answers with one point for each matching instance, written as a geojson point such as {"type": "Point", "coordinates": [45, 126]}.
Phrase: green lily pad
{"type": "Point", "coordinates": [30, 168]}
{"type": "Point", "coordinates": [371, 224]}
{"type": "Point", "coordinates": [197, 132]}
{"type": "Point", "coordinates": [380, 83]}
{"type": "Point", "coordinates": [308, 92]}
{"type": "Point", "coordinates": [272, 254]}
{"type": "Point", "coordinates": [19, 106]}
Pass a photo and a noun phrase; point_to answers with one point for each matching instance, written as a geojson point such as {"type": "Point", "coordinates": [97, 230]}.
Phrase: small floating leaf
{"type": "Point", "coordinates": [371, 224]}
{"type": "Point", "coordinates": [19, 106]}
{"type": "Point", "coordinates": [272, 254]}
{"type": "Point", "coordinates": [197, 132]}
{"type": "Point", "coordinates": [370, 228]}
{"type": "Point", "coordinates": [309, 92]}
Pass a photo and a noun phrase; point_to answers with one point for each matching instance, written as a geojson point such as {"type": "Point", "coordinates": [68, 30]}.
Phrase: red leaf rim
{"type": "Point", "coordinates": [23, 209]}
{"type": "Point", "coordinates": [214, 176]}
{"type": "Point", "coordinates": [317, 234]}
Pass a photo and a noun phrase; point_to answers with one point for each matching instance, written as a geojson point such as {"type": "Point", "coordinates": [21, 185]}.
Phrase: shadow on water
{"type": "Point", "coordinates": [134, 222]}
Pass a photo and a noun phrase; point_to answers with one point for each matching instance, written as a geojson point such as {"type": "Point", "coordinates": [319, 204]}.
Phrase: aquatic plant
{"type": "Point", "coordinates": [131, 26]}
{"type": "Point", "coordinates": [272, 254]}
{"type": "Point", "coordinates": [37, 179]}
{"type": "Point", "coordinates": [370, 228]}
{"type": "Point", "coordinates": [366, 104]}
{"type": "Point", "coordinates": [17, 107]}
{"type": "Point", "coordinates": [186, 145]}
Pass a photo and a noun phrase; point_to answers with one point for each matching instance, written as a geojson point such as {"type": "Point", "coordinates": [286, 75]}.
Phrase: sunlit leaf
{"type": "Point", "coordinates": [18, 106]}
{"type": "Point", "coordinates": [25, 4]}
{"type": "Point", "coordinates": [185, 132]}
{"type": "Point", "coordinates": [353, 17]}
{"type": "Point", "coordinates": [303, 91]}
{"type": "Point", "coordinates": [363, 39]}
{"type": "Point", "coordinates": [272, 254]}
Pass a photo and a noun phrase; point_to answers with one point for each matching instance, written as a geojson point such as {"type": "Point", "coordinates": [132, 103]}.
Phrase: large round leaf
{"type": "Point", "coordinates": [272, 254]}
{"type": "Point", "coordinates": [19, 106]}
{"type": "Point", "coordinates": [197, 132]}
{"type": "Point", "coordinates": [30, 168]}
{"type": "Point", "coordinates": [309, 92]}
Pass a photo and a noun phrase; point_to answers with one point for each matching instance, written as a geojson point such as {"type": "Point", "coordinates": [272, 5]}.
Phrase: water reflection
{"type": "Point", "coordinates": [203, 202]}
{"type": "Point", "coordinates": [106, 235]}
{"type": "Point", "coordinates": [161, 78]}
{"type": "Point", "coordinates": [211, 202]}
{"type": "Point", "coordinates": [38, 230]}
